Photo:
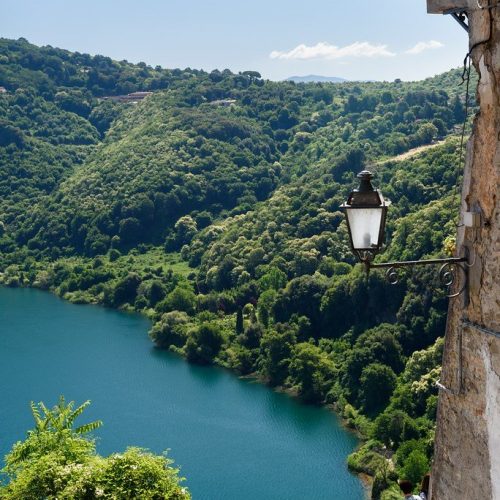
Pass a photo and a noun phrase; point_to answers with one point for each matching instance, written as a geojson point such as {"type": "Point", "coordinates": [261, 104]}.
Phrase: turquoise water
{"type": "Point", "coordinates": [233, 439]}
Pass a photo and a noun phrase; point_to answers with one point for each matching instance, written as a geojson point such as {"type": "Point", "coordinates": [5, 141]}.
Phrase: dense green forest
{"type": "Point", "coordinates": [212, 206]}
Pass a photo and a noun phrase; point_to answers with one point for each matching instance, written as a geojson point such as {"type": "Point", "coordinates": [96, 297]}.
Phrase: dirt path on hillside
{"type": "Point", "coordinates": [412, 152]}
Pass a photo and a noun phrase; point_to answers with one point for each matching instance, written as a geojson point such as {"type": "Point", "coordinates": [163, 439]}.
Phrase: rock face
{"type": "Point", "coordinates": [467, 445]}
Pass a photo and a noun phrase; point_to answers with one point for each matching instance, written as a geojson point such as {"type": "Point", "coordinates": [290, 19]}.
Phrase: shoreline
{"type": "Point", "coordinates": [365, 479]}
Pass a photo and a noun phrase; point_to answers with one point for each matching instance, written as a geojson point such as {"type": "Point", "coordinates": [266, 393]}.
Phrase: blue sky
{"type": "Point", "coordinates": [365, 40]}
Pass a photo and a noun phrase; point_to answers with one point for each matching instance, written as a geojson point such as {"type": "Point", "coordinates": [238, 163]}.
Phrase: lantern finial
{"type": "Point", "coordinates": [365, 184]}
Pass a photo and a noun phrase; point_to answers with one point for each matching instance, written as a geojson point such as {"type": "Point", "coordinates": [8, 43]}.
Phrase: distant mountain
{"type": "Point", "coordinates": [315, 78]}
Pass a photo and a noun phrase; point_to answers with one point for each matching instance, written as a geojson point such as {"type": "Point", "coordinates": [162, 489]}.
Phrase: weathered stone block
{"type": "Point", "coordinates": [442, 6]}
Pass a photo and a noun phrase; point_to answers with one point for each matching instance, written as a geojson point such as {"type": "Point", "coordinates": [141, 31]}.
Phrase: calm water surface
{"type": "Point", "coordinates": [233, 439]}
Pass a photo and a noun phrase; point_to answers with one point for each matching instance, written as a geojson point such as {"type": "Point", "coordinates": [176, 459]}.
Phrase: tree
{"type": "Point", "coordinates": [302, 296]}
{"type": "Point", "coordinates": [390, 427]}
{"type": "Point", "coordinates": [415, 467]}
{"type": "Point", "coordinates": [311, 371]}
{"type": "Point", "coordinates": [255, 258]}
{"type": "Point", "coordinates": [156, 292]}
{"type": "Point", "coordinates": [204, 343]}
{"type": "Point", "coordinates": [57, 461]}
{"type": "Point", "coordinates": [333, 302]}
{"type": "Point", "coordinates": [62, 416]}
{"type": "Point", "coordinates": [377, 383]}
{"type": "Point", "coordinates": [274, 278]}
{"type": "Point", "coordinates": [383, 343]}
{"type": "Point", "coordinates": [141, 207]}
{"type": "Point", "coordinates": [265, 306]}
{"type": "Point", "coordinates": [223, 277]}
{"type": "Point", "coordinates": [351, 162]}
{"type": "Point", "coordinates": [137, 473]}
{"type": "Point", "coordinates": [126, 289]}
{"type": "Point", "coordinates": [216, 76]}
{"type": "Point", "coordinates": [355, 361]}
{"type": "Point", "coordinates": [275, 353]}
{"type": "Point", "coordinates": [405, 449]}
{"type": "Point", "coordinates": [51, 426]}
{"type": "Point", "coordinates": [130, 230]}
{"type": "Point", "coordinates": [239, 320]}
{"type": "Point", "coordinates": [253, 75]}
{"type": "Point", "coordinates": [10, 135]}
{"type": "Point", "coordinates": [170, 330]}
{"type": "Point", "coordinates": [185, 229]}
{"type": "Point", "coordinates": [180, 298]}
{"type": "Point", "coordinates": [250, 338]}
{"type": "Point", "coordinates": [458, 109]}
{"type": "Point", "coordinates": [384, 476]}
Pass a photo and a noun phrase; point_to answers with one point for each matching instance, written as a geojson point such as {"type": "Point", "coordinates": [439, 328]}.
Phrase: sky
{"type": "Point", "coordinates": [356, 40]}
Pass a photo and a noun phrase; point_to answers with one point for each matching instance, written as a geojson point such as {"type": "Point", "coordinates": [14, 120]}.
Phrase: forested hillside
{"type": "Point", "coordinates": [213, 207]}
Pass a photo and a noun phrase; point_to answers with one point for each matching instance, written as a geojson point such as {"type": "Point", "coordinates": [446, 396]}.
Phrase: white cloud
{"type": "Point", "coordinates": [421, 46]}
{"type": "Point", "coordinates": [323, 50]}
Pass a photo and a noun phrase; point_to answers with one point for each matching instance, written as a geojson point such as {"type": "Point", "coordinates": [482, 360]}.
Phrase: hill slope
{"type": "Point", "coordinates": [212, 206]}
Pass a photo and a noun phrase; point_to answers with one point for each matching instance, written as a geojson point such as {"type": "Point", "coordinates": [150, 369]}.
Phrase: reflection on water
{"type": "Point", "coordinates": [234, 439]}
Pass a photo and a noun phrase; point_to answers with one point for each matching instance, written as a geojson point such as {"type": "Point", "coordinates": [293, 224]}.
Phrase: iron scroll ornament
{"type": "Point", "coordinates": [448, 271]}
{"type": "Point", "coordinates": [366, 211]}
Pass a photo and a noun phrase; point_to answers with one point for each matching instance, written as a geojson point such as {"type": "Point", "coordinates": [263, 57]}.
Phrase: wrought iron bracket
{"type": "Point", "coordinates": [460, 16]}
{"type": "Point", "coordinates": [447, 270]}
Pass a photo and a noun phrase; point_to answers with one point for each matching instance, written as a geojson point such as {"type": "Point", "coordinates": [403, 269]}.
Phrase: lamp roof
{"type": "Point", "coordinates": [365, 196]}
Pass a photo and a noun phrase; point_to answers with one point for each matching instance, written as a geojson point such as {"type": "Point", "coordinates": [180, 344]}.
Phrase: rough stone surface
{"type": "Point", "coordinates": [467, 446]}
{"type": "Point", "coordinates": [441, 6]}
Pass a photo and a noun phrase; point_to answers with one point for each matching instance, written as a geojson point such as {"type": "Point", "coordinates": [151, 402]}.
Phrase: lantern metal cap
{"type": "Point", "coordinates": [365, 196]}
{"type": "Point", "coordinates": [365, 185]}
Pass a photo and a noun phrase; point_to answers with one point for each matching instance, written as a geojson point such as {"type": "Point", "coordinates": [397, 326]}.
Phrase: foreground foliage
{"type": "Point", "coordinates": [57, 461]}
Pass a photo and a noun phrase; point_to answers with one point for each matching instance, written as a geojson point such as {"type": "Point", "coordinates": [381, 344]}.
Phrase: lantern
{"type": "Point", "coordinates": [366, 211]}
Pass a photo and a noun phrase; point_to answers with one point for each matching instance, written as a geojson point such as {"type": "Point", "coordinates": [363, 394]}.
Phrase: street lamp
{"type": "Point", "coordinates": [366, 212]}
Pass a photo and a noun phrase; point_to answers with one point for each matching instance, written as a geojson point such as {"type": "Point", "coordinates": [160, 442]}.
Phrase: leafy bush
{"type": "Point", "coordinates": [57, 461]}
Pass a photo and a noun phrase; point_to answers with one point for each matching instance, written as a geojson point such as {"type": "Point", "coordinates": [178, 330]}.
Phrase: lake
{"type": "Point", "coordinates": [233, 439]}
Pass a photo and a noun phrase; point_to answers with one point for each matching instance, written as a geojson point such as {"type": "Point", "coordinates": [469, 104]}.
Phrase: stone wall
{"type": "Point", "coordinates": [467, 445]}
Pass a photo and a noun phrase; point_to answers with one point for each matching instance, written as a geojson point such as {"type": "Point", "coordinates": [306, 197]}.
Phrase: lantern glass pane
{"type": "Point", "coordinates": [364, 224]}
